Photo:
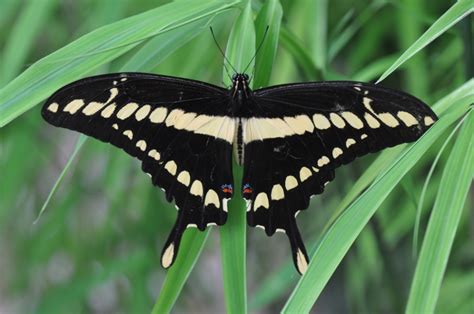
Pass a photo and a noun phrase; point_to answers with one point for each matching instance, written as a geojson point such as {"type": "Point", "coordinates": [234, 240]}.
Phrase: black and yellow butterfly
{"type": "Point", "coordinates": [289, 139]}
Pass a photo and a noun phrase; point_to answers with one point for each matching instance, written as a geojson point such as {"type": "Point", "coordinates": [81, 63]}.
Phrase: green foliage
{"type": "Point", "coordinates": [96, 247]}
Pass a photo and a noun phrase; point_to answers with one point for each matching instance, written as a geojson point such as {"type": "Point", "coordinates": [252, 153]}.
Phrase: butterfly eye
{"type": "Point", "coordinates": [234, 77]}
{"type": "Point", "coordinates": [246, 77]}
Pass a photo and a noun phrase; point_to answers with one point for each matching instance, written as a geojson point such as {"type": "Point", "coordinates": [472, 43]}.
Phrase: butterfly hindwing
{"type": "Point", "coordinates": [178, 128]}
{"type": "Point", "coordinates": [300, 133]}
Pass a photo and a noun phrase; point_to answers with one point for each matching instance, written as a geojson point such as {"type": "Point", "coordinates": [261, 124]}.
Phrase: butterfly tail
{"type": "Point", "coordinates": [300, 256]}
{"type": "Point", "coordinates": [170, 249]}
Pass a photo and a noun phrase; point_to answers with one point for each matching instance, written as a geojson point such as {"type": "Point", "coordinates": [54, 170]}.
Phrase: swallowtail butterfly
{"type": "Point", "coordinates": [289, 139]}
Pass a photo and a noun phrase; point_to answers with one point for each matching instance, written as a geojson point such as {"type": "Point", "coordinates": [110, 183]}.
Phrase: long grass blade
{"type": "Point", "coordinates": [444, 220]}
{"type": "Point", "coordinates": [459, 10]}
{"type": "Point", "coordinates": [192, 245]}
{"type": "Point", "coordinates": [340, 236]}
{"type": "Point", "coordinates": [240, 50]}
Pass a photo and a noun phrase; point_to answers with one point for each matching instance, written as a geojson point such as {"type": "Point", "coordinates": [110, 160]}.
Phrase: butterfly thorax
{"type": "Point", "coordinates": [240, 92]}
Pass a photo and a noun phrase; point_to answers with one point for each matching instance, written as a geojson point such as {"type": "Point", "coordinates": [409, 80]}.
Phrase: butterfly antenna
{"type": "Point", "coordinates": [258, 49]}
{"type": "Point", "coordinates": [223, 54]}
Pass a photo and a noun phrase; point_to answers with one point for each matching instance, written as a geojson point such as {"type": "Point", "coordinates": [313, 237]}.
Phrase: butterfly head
{"type": "Point", "coordinates": [240, 86]}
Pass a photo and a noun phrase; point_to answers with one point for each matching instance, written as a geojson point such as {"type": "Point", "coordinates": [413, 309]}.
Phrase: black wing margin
{"type": "Point", "coordinates": [301, 132]}
{"type": "Point", "coordinates": [178, 128]}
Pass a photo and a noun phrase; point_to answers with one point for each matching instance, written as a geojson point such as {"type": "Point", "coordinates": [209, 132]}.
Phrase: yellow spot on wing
{"type": "Point", "coordinates": [371, 121]}
{"type": "Point", "coordinates": [196, 188]}
{"type": "Point", "coordinates": [337, 120]}
{"type": "Point", "coordinates": [323, 161]}
{"type": "Point", "coordinates": [127, 110]}
{"type": "Point", "coordinates": [171, 167]}
{"type": "Point", "coordinates": [108, 111]}
{"type": "Point", "coordinates": [321, 122]}
{"type": "Point", "coordinates": [184, 178]}
{"type": "Point", "coordinates": [53, 107]}
{"type": "Point", "coordinates": [261, 200]}
{"type": "Point", "coordinates": [336, 152]}
{"type": "Point", "coordinates": [305, 173]}
{"type": "Point", "coordinates": [428, 120]}
{"type": "Point", "coordinates": [154, 154]}
{"type": "Point", "coordinates": [277, 192]}
{"type": "Point", "coordinates": [168, 255]}
{"type": "Point", "coordinates": [349, 142]}
{"type": "Point", "coordinates": [128, 133]}
{"type": "Point", "coordinates": [141, 144]}
{"type": "Point", "coordinates": [388, 119]}
{"type": "Point", "coordinates": [353, 120]}
{"type": "Point", "coordinates": [142, 112]}
{"type": "Point", "coordinates": [158, 115]}
{"type": "Point", "coordinates": [73, 106]}
{"type": "Point", "coordinates": [301, 262]}
{"type": "Point", "coordinates": [212, 198]}
{"type": "Point", "coordinates": [290, 183]}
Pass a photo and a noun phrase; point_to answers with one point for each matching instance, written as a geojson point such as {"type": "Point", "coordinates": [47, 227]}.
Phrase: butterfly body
{"type": "Point", "coordinates": [288, 138]}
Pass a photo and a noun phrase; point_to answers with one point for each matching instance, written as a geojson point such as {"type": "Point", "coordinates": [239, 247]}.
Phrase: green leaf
{"type": "Point", "coordinates": [240, 50]}
{"type": "Point", "coordinates": [338, 239]}
{"type": "Point", "coordinates": [191, 247]}
{"type": "Point", "coordinates": [459, 10]}
{"type": "Point", "coordinates": [444, 221]}
{"type": "Point", "coordinates": [270, 15]}
{"type": "Point", "coordinates": [33, 16]}
{"type": "Point", "coordinates": [241, 45]}
{"type": "Point", "coordinates": [96, 48]}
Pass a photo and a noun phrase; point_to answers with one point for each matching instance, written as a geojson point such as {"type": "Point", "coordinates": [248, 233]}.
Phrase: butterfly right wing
{"type": "Point", "coordinates": [178, 128]}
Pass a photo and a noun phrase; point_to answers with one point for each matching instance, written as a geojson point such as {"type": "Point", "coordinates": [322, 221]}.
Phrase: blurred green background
{"type": "Point", "coordinates": [96, 247]}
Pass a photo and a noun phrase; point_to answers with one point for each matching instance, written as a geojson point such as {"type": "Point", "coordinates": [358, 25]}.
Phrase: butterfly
{"type": "Point", "coordinates": [288, 138]}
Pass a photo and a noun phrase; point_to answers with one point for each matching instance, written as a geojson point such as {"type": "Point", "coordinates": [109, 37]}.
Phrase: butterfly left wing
{"type": "Point", "coordinates": [178, 128]}
{"type": "Point", "coordinates": [300, 133]}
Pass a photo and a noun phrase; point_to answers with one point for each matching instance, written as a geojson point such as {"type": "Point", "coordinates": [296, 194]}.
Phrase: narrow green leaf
{"type": "Point", "coordinates": [340, 236]}
{"type": "Point", "coordinates": [444, 220]}
{"type": "Point", "coordinates": [80, 142]}
{"type": "Point", "coordinates": [319, 48]}
{"type": "Point", "coordinates": [191, 247]}
{"type": "Point", "coordinates": [459, 10]}
{"type": "Point", "coordinates": [270, 15]}
{"type": "Point", "coordinates": [241, 45]}
{"type": "Point", "coordinates": [240, 50]}
{"type": "Point", "coordinates": [33, 15]}
{"type": "Point", "coordinates": [96, 48]}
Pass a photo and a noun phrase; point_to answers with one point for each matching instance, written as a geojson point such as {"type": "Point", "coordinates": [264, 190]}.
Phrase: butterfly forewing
{"type": "Point", "coordinates": [178, 128]}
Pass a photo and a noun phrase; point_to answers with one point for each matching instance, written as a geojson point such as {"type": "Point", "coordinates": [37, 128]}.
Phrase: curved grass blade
{"type": "Point", "coordinates": [192, 245]}
{"type": "Point", "coordinates": [80, 142]}
{"type": "Point", "coordinates": [444, 220]}
{"type": "Point", "coordinates": [240, 50]}
{"type": "Point", "coordinates": [419, 208]}
{"type": "Point", "coordinates": [454, 14]}
{"type": "Point", "coordinates": [96, 48]}
{"type": "Point", "coordinates": [340, 236]}
{"type": "Point", "coordinates": [270, 15]}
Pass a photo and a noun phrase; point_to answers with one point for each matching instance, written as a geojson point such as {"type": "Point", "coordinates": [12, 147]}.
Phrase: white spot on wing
{"type": "Point", "coordinates": [128, 133]}
{"type": "Point", "coordinates": [158, 115]}
{"type": "Point", "coordinates": [371, 121]}
{"type": "Point", "coordinates": [277, 192]}
{"type": "Point", "coordinates": [321, 122]}
{"type": "Point", "coordinates": [353, 120]}
{"type": "Point", "coordinates": [143, 112]}
{"type": "Point", "coordinates": [167, 257]}
{"type": "Point", "coordinates": [212, 198]}
{"type": "Point", "coordinates": [108, 111]}
{"type": "Point", "coordinates": [171, 167]}
{"type": "Point", "coordinates": [154, 154]}
{"type": "Point", "coordinates": [428, 120]}
{"type": "Point", "coordinates": [323, 161]}
{"type": "Point", "coordinates": [73, 106]}
{"type": "Point", "coordinates": [196, 188]}
{"type": "Point", "coordinates": [305, 173]}
{"type": "Point", "coordinates": [262, 200]}
{"type": "Point", "coordinates": [350, 142]}
{"type": "Point", "coordinates": [127, 110]}
{"type": "Point", "coordinates": [53, 107]}
{"type": "Point", "coordinates": [290, 183]}
{"type": "Point", "coordinates": [301, 262]}
{"type": "Point", "coordinates": [336, 152]}
{"type": "Point", "coordinates": [184, 178]}
{"type": "Point", "coordinates": [337, 120]}
{"type": "Point", "coordinates": [141, 144]}
{"type": "Point", "coordinates": [407, 118]}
